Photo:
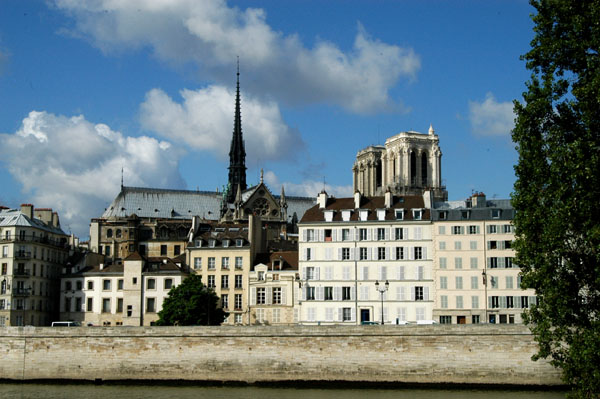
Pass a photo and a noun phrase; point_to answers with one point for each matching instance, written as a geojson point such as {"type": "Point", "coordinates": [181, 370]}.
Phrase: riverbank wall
{"type": "Point", "coordinates": [465, 354]}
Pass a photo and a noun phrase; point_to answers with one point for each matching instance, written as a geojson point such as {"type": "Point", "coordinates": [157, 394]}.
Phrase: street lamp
{"type": "Point", "coordinates": [382, 290]}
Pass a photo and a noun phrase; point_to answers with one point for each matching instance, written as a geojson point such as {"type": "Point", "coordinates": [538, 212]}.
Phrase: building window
{"type": "Point", "coordinates": [238, 262]}
{"type": "Point", "coordinates": [507, 228]}
{"type": "Point", "coordinates": [419, 293]}
{"type": "Point", "coordinates": [443, 283]}
{"type": "Point", "coordinates": [211, 281]}
{"type": "Point", "coordinates": [494, 282]}
{"type": "Point", "coordinates": [134, 280]}
{"type": "Point", "coordinates": [475, 302]}
{"type": "Point", "coordinates": [238, 281]}
{"type": "Point", "coordinates": [328, 235]}
{"type": "Point", "coordinates": [399, 214]}
{"type": "Point", "coordinates": [444, 301]}
{"type": "Point", "coordinates": [106, 251]}
{"type": "Point", "coordinates": [362, 253]}
{"type": "Point", "coordinates": [459, 302]}
{"type": "Point", "coordinates": [456, 229]}
{"type": "Point", "coordinates": [119, 284]}
{"type": "Point", "coordinates": [345, 234]}
{"type": "Point", "coordinates": [328, 296]}
{"type": "Point", "coordinates": [211, 263]}
{"type": "Point", "coordinates": [225, 301]}
{"type": "Point", "coordinates": [458, 263]}
{"type": "Point", "coordinates": [345, 253]}
{"type": "Point", "coordinates": [380, 234]}
{"type": "Point", "coordinates": [105, 285]}
{"type": "Point", "coordinates": [443, 263]}
{"type": "Point", "coordinates": [399, 253]}
{"type": "Point", "coordinates": [225, 243]}
{"type": "Point", "coordinates": [197, 263]}
{"type": "Point", "coordinates": [151, 284]}
{"type": "Point", "coordinates": [308, 254]}
{"type": "Point", "coordinates": [346, 294]}
{"type": "Point", "coordinates": [443, 215]}
{"type": "Point", "coordinates": [79, 285]}
{"type": "Point", "coordinates": [150, 305]}
{"type": "Point", "coordinates": [238, 302]}
{"type": "Point", "coordinates": [496, 213]}
{"type": "Point", "coordinates": [445, 319]}
{"type": "Point", "coordinates": [105, 305]}
{"type": "Point", "coordinates": [381, 253]}
{"type": "Point", "coordinates": [442, 245]}
{"type": "Point", "coordinates": [276, 295]}
{"type": "Point", "coordinates": [473, 245]}
{"type": "Point", "coordinates": [417, 214]}
{"type": "Point", "coordinates": [90, 305]}
{"type": "Point", "coordinates": [310, 273]}
{"type": "Point", "coordinates": [225, 281]}
{"type": "Point", "coordinates": [119, 305]}
{"type": "Point", "coordinates": [225, 262]}
{"type": "Point", "coordinates": [310, 235]}
{"type": "Point", "coordinates": [129, 310]}
{"type": "Point", "coordinates": [475, 319]}
{"type": "Point", "coordinates": [239, 242]}
{"type": "Point", "coordinates": [261, 276]}
{"type": "Point", "coordinates": [418, 252]}
{"type": "Point", "coordinates": [168, 283]}
{"type": "Point", "coordinates": [362, 234]}
{"type": "Point", "coordinates": [493, 262]}
{"type": "Point", "coordinates": [310, 293]}
{"type": "Point", "coordinates": [472, 229]}
{"type": "Point", "coordinates": [177, 250]}
{"type": "Point", "coordinates": [261, 296]}
{"type": "Point", "coordinates": [474, 282]}
{"type": "Point", "coordinates": [109, 233]}
{"type": "Point", "coordinates": [494, 302]}
{"type": "Point", "coordinates": [492, 229]}
{"type": "Point", "coordinates": [346, 314]}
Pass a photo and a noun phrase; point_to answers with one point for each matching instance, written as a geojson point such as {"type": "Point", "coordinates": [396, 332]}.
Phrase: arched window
{"type": "Point", "coordinates": [109, 233]}
{"type": "Point", "coordinates": [413, 169]}
{"type": "Point", "coordinates": [424, 168]}
{"type": "Point", "coordinates": [118, 233]}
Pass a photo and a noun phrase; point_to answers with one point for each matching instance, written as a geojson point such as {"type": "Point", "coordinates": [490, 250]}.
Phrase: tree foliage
{"type": "Point", "coordinates": [191, 303]}
{"type": "Point", "coordinates": [557, 192]}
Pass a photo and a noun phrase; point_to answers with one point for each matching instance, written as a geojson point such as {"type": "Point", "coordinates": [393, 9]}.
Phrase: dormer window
{"type": "Point", "coordinates": [346, 215]}
{"type": "Point", "coordinates": [225, 243]}
{"type": "Point", "coordinates": [399, 214]}
{"type": "Point", "coordinates": [496, 213]}
{"type": "Point", "coordinates": [443, 215]}
{"type": "Point", "coordinates": [380, 214]}
{"type": "Point", "coordinates": [199, 243]}
{"type": "Point", "coordinates": [239, 242]}
{"type": "Point", "coordinates": [328, 216]}
{"type": "Point", "coordinates": [363, 215]}
{"type": "Point", "coordinates": [417, 214]}
{"type": "Point", "coordinates": [465, 214]}
{"type": "Point", "coordinates": [212, 243]}
{"type": "Point", "coordinates": [261, 276]}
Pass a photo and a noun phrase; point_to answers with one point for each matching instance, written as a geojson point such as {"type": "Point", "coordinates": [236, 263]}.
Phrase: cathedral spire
{"type": "Point", "coordinates": [237, 152]}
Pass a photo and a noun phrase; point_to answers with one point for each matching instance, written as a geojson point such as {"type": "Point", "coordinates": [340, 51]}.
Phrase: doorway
{"type": "Point", "coordinates": [365, 315]}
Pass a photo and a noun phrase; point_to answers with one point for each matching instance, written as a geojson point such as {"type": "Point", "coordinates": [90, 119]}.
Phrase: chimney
{"type": "Point", "coordinates": [55, 221]}
{"type": "Point", "coordinates": [322, 199]}
{"type": "Point", "coordinates": [44, 214]}
{"type": "Point", "coordinates": [427, 199]}
{"type": "Point", "coordinates": [27, 210]}
{"type": "Point", "coordinates": [356, 199]}
{"type": "Point", "coordinates": [389, 198]}
{"type": "Point", "coordinates": [101, 266]}
{"type": "Point", "coordinates": [478, 200]}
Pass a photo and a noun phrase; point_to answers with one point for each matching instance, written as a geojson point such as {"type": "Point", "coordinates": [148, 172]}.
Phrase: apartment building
{"type": "Point", "coordinates": [476, 279]}
{"type": "Point", "coordinates": [274, 289]}
{"type": "Point", "coordinates": [366, 260]}
{"type": "Point", "coordinates": [33, 250]}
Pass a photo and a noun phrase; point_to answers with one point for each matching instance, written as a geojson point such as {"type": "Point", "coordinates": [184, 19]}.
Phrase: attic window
{"type": "Point", "coordinates": [328, 216]}
{"type": "Point", "coordinates": [199, 243]}
{"type": "Point", "coordinates": [399, 214]}
{"type": "Point", "coordinates": [443, 215]}
{"type": "Point", "coordinates": [417, 214]}
{"type": "Point", "coordinates": [234, 229]}
{"type": "Point", "coordinates": [363, 214]}
{"type": "Point", "coordinates": [496, 213]}
{"type": "Point", "coordinates": [465, 214]}
{"type": "Point", "coordinates": [220, 229]}
{"type": "Point", "coordinates": [225, 243]}
{"type": "Point", "coordinates": [211, 243]}
{"type": "Point", "coordinates": [380, 214]}
{"type": "Point", "coordinates": [155, 210]}
{"type": "Point", "coordinates": [346, 215]}
{"type": "Point", "coordinates": [239, 242]}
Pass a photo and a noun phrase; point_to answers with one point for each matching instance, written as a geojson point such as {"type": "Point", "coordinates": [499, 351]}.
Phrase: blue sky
{"type": "Point", "coordinates": [88, 88]}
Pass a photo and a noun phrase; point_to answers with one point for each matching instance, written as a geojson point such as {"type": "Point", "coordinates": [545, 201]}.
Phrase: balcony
{"type": "Point", "coordinates": [22, 254]}
{"type": "Point", "coordinates": [21, 291]}
{"type": "Point", "coordinates": [21, 273]}
{"type": "Point", "coordinates": [60, 243]}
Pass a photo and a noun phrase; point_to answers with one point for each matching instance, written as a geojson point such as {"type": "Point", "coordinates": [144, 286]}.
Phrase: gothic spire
{"type": "Point", "coordinates": [237, 152]}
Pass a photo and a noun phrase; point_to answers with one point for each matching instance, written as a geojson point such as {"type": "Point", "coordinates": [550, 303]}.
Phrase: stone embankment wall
{"type": "Point", "coordinates": [471, 354]}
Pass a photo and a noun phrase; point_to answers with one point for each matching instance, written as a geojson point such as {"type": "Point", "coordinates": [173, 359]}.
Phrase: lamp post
{"type": "Point", "coordinates": [382, 290]}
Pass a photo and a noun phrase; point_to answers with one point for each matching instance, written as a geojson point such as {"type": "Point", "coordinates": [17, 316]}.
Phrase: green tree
{"type": "Point", "coordinates": [191, 303]}
{"type": "Point", "coordinates": [557, 191]}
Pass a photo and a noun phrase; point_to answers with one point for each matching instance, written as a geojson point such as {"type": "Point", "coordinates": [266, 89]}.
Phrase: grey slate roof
{"type": "Point", "coordinates": [14, 217]}
{"type": "Point", "coordinates": [454, 210]}
{"type": "Point", "coordinates": [182, 204]}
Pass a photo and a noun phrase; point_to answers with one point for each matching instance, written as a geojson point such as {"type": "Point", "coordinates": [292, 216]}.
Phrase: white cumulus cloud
{"type": "Point", "coordinates": [74, 166]}
{"type": "Point", "coordinates": [307, 188]}
{"type": "Point", "coordinates": [490, 117]}
{"type": "Point", "coordinates": [204, 121]}
{"type": "Point", "coordinates": [211, 34]}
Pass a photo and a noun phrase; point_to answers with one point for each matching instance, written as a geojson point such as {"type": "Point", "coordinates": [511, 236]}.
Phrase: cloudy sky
{"type": "Point", "coordinates": [88, 88]}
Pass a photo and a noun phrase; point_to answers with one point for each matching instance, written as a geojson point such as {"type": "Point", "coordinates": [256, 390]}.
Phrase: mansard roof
{"type": "Point", "coordinates": [183, 204]}
{"type": "Point", "coordinates": [372, 204]}
{"type": "Point", "coordinates": [14, 217]}
{"type": "Point", "coordinates": [465, 210]}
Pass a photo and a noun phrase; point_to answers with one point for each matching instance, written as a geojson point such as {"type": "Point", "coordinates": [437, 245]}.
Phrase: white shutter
{"type": "Point", "coordinates": [352, 293]}
{"type": "Point", "coordinates": [412, 293]}
{"type": "Point", "coordinates": [387, 233]}
{"type": "Point", "coordinates": [411, 253]}
{"type": "Point", "coordinates": [334, 235]}
{"type": "Point", "coordinates": [283, 298]}
{"type": "Point", "coordinates": [418, 233]}
{"type": "Point", "coordinates": [339, 254]}
{"type": "Point", "coordinates": [405, 233]}
{"type": "Point", "coordinates": [304, 273]}
{"type": "Point", "coordinates": [403, 293]}
{"type": "Point", "coordinates": [253, 296]}
{"type": "Point", "coordinates": [400, 272]}
{"type": "Point", "coordinates": [393, 254]}
{"type": "Point", "coordinates": [320, 293]}
{"type": "Point", "coordinates": [337, 293]}
{"type": "Point", "coordinates": [383, 273]}
{"type": "Point", "coordinates": [424, 252]}
{"type": "Point", "coordinates": [352, 253]}
{"type": "Point", "coordinates": [369, 255]}
{"type": "Point", "coordinates": [416, 272]}
{"type": "Point", "coordinates": [304, 235]}
{"type": "Point", "coordinates": [328, 273]}
{"type": "Point", "coordinates": [425, 293]}
{"type": "Point", "coordinates": [340, 314]}
{"type": "Point", "coordinates": [477, 229]}
{"type": "Point", "coordinates": [387, 252]}
{"type": "Point", "coordinates": [317, 274]}
{"type": "Point", "coordinates": [269, 295]}
{"type": "Point", "coordinates": [501, 263]}
{"type": "Point", "coordinates": [365, 273]}
{"type": "Point", "coordinates": [353, 314]}
{"type": "Point", "coordinates": [321, 235]}
{"type": "Point", "coordinates": [399, 295]}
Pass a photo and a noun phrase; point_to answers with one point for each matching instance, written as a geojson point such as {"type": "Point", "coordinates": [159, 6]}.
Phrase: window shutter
{"type": "Point", "coordinates": [269, 295]}
{"type": "Point", "coordinates": [365, 273]}
{"type": "Point", "coordinates": [317, 274]}
{"type": "Point", "coordinates": [321, 235]}
{"type": "Point", "coordinates": [369, 253]}
{"type": "Point", "coordinates": [425, 253]}
{"type": "Point", "coordinates": [517, 302]}
{"type": "Point", "coordinates": [462, 229]}
{"type": "Point", "coordinates": [304, 273]}
{"type": "Point", "coordinates": [339, 254]}
{"type": "Point", "coordinates": [425, 293]}
{"type": "Point", "coordinates": [353, 293]}
{"type": "Point", "coordinates": [503, 302]}
{"type": "Point", "coordinates": [334, 235]}
{"type": "Point", "coordinates": [501, 264]}
{"type": "Point", "coordinates": [403, 293]}
{"type": "Point", "coordinates": [411, 253]}
{"type": "Point", "coordinates": [400, 272]}
{"type": "Point", "coordinates": [369, 234]}
{"type": "Point", "coordinates": [353, 314]}
{"type": "Point", "coordinates": [532, 300]}
{"type": "Point", "coordinates": [393, 254]}
{"type": "Point", "coordinates": [320, 293]}
{"type": "Point", "coordinates": [304, 235]}
{"type": "Point", "coordinates": [418, 233]}
{"type": "Point", "coordinates": [283, 298]}
{"type": "Point", "coordinates": [253, 296]}
{"type": "Point", "coordinates": [399, 295]}
{"type": "Point", "coordinates": [387, 233]}
{"type": "Point", "coordinates": [340, 314]}
{"type": "Point", "coordinates": [405, 233]}
{"type": "Point", "coordinates": [489, 302]}
{"type": "Point", "coordinates": [489, 262]}
{"type": "Point", "coordinates": [351, 235]}
{"type": "Point", "coordinates": [337, 293]}
{"type": "Point", "coordinates": [353, 253]}
{"type": "Point", "coordinates": [387, 252]}
{"type": "Point", "coordinates": [328, 273]}
{"type": "Point", "coordinates": [412, 293]}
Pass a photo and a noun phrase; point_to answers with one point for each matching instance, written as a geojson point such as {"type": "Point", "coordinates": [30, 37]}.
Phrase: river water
{"type": "Point", "coordinates": [55, 391]}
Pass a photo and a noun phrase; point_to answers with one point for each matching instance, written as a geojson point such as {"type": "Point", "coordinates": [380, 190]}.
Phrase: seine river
{"type": "Point", "coordinates": [22, 391]}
